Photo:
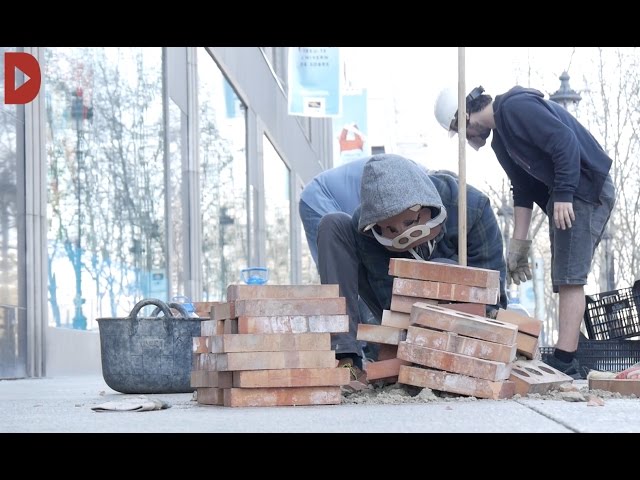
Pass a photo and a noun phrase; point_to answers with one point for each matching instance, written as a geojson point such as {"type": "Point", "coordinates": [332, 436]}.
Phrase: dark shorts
{"type": "Point", "coordinates": [572, 249]}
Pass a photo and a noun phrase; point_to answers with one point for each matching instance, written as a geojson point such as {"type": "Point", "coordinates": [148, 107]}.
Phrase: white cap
{"type": "Point", "coordinates": [445, 108]}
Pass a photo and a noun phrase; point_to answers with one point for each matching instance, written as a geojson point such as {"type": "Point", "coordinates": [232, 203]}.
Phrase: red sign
{"type": "Point", "coordinates": [28, 65]}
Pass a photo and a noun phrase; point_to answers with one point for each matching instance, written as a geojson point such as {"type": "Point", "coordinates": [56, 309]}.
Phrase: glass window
{"type": "Point", "coordinates": [223, 180]}
{"type": "Point", "coordinates": [277, 212]}
{"type": "Point", "coordinates": [177, 142]}
{"type": "Point", "coordinates": [106, 212]}
{"type": "Point", "coordinates": [13, 331]}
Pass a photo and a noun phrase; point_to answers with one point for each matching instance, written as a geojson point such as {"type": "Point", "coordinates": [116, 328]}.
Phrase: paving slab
{"type": "Point", "coordinates": [64, 405]}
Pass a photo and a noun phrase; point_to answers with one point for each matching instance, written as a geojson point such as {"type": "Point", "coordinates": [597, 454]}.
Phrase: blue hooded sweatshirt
{"type": "Point", "coordinates": [545, 151]}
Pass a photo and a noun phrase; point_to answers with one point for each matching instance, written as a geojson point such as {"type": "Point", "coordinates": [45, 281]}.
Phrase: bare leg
{"type": "Point", "coordinates": [571, 312]}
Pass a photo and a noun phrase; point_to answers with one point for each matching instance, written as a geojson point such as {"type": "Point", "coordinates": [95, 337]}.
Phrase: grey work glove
{"type": "Point", "coordinates": [518, 261]}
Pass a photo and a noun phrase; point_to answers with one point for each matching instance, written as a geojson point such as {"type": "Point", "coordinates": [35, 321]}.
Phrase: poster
{"type": "Point", "coordinates": [314, 82]}
{"type": "Point", "coordinates": [350, 128]}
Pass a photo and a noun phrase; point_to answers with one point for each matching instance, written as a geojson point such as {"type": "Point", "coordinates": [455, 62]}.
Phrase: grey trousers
{"type": "Point", "coordinates": [339, 263]}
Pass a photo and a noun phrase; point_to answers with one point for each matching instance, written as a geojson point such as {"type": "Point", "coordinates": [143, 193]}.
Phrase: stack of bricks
{"type": "Point", "coordinates": [458, 352]}
{"type": "Point", "coordinates": [270, 345]}
{"type": "Point", "coordinates": [463, 289]}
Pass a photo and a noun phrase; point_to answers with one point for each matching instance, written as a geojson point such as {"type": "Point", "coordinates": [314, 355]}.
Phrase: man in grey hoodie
{"type": "Point", "coordinates": [404, 212]}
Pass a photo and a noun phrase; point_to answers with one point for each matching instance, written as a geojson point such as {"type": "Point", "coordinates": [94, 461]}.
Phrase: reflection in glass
{"type": "Point", "coordinates": [277, 211]}
{"type": "Point", "coordinates": [223, 180]}
{"type": "Point", "coordinates": [106, 246]}
{"type": "Point", "coordinates": [13, 326]}
{"type": "Point", "coordinates": [177, 139]}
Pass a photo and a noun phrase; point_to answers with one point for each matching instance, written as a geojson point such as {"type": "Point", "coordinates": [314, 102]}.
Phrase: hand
{"type": "Point", "coordinates": [518, 261]}
{"type": "Point", "coordinates": [563, 214]}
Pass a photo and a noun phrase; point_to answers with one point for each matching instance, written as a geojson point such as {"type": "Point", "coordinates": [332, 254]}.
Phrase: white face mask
{"type": "Point", "coordinates": [412, 234]}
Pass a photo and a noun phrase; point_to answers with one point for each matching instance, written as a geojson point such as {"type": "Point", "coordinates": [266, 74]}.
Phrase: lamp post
{"type": "Point", "coordinates": [565, 95]}
{"type": "Point", "coordinates": [79, 113]}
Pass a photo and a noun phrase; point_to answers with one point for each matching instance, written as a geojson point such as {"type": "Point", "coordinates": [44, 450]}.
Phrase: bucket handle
{"type": "Point", "coordinates": [160, 307]}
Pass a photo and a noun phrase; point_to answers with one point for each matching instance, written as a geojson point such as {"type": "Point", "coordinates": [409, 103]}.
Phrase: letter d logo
{"type": "Point", "coordinates": [28, 64]}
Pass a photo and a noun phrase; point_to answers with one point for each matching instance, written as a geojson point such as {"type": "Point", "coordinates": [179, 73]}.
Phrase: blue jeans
{"type": "Point", "coordinates": [310, 221]}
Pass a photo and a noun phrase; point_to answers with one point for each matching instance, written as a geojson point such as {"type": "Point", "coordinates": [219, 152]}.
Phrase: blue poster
{"type": "Point", "coordinates": [350, 128]}
{"type": "Point", "coordinates": [314, 82]}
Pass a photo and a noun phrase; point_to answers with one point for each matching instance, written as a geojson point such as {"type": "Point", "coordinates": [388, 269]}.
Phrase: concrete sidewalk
{"type": "Point", "coordinates": [64, 405]}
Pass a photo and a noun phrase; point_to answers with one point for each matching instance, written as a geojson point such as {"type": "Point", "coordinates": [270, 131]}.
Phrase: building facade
{"type": "Point", "coordinates": [144, 173]}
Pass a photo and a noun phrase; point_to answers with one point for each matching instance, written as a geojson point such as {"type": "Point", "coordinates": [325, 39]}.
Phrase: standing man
{"type": "Point", "coordinates": [552, 160]}
{"type": "Point", "coordinates": [405, 212]}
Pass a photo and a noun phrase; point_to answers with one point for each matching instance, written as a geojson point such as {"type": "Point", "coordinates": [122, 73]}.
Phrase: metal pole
{"type": "Point", "coordinates": [462, 161]}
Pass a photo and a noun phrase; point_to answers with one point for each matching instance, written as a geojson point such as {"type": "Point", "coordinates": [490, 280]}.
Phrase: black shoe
{"type": "Point", "coordinates": [572, 368]}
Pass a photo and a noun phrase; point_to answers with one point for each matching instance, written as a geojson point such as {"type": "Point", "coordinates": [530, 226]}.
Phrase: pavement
{"type": "Point", "coordinates": [63, 405]}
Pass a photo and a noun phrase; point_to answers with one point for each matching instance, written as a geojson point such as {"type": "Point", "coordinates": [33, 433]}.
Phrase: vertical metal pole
{"type": "Point", "coordinates": [462, 161]}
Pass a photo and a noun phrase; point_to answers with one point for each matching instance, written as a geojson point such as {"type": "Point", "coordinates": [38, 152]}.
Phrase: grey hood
{"type": "Point", "coordinates": [390, 185]}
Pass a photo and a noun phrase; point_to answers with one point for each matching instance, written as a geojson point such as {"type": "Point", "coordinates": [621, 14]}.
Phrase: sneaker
{"type": "Point", "coordinates": [572, 368]}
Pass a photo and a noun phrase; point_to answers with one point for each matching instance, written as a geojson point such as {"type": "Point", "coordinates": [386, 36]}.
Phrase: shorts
{"type": "Point", "coordinates": [572, 249]}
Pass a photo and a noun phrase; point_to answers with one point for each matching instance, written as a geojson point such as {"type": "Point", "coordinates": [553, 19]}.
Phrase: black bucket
{"type": "Point", "coordinates": [149, 354]}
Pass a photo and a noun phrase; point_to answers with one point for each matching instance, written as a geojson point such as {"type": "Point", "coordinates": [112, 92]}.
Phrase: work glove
{"type": "Point", "coordinates": [518, 261]}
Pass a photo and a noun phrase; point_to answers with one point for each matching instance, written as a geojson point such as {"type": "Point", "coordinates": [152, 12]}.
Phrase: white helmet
{"type": "Point", "coordinates": [446, 107]}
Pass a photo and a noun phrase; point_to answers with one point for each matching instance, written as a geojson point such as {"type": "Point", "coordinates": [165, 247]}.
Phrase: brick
{"type": "Point", "coordinates": [292, 377]}
{"type": "Point", "coordinates": [291, 306]}
{"type": "Point", "coordinates": [454, 362]}
{"type": "Point", "coordinates": [401, 303]}
{"type": "Point", "coordinates": [273, 342]}
{"type": "Point", "coordinates": [472, 308]}
{"type": "Point", "coordinates": [223, 311]}
{"type": "Point", "coordinates": [445, 291]}
{"type": "Point", "coordinates": [242, 292]}
{"type": "Point", "coordinates": [230, 325]}
{"type": "Point", "coordinates": [529, 325]}
{"type": "Point", "coordinates": [294, 324]}
{"type": "Point", "coordinates": [270, 360]}
{"type": "Point", "coordinates": [208, 328]}
{"type": "Point", "coordinates": [395, 319]}
{"type": "Point", "coordinates": [379, 334]}
{"type": "Point", "coordinates": [271, 397]}
{"type": "Point", "coordinates": [527, 345]}
{"type": "Point", "coordinates": [534, 376]}
{"type": "Point", "coordinates": [384, 368]}
{"type": "Point", "coordinates": [623, 386]}
{"type": "Point", "coordinates": [203, 309]}
{"type": "Point", "coordinates": [438, 318]}
{"type": "Point", "coordinates": [210, 396]}
{"type": "Point", "coordinates": [444, 272]}
{"type": "Point", "coordinates": [452, 342]}
{"type": "Point", "coordinates": [201, 344]}
{"type": "Point", "coordinates": [456, 383]}
{"type": "Point", "coordinates": [204, 378]}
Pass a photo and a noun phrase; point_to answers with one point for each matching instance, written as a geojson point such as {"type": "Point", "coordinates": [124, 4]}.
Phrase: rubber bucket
{"type": "Point", "coordinates": [149, 354]}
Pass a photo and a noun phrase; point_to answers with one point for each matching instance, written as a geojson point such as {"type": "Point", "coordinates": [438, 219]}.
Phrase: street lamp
{"type": "Point", "coordinates": [79, 113]}
{"type": "Point", "coordinates": [565, 95]}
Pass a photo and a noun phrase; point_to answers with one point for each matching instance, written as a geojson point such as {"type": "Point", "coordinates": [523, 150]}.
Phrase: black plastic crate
{"type": "Point", "coordinates": [603, 355]}
{"type": "Point", "coordinates": [613, 315]}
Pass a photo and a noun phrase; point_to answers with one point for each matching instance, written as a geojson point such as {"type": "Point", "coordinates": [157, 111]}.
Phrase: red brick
{"type": "Point", "coordinates": [271, 397]}
{"type": "Point", "coordinates": [400, 303]}
{"type": "Point", "coordinates": [292, 377]}
{"type": "Point", "coordinates": [445, 291]}
{"type": "Point", "coordinates": [391, 318]}
{"type": "Point", "coordinates": [204, 378]}
{"type": "Point", "coordinates": [529, 325]}
{"type": "Point", "coordinates": [240, 292]}
{"type": "Point", "coordinates": [208, 328]}
{"type": "Point", "coordinates": [443, 272]}
{"type": "Point", "coordinates": [294, 324]}
{"type": "Point", "coordinates": [452, 342]}
{"type": "Point", "coordinates": [623, 386]}
{"type": "Point", "coordinates": [472, 308]}
{"type": "Point", "coordinates": [527, 345]}
{"type": "Point", "coordinates": [270, 342]}
{"type": "Point", "coordinates": [438, 318]}
{"type": "Point", "coordinates": [379, 334]}
{"type": "Point", "coordinates": [210, 396]}
{"type": "Point", "coordinates": [291, 306]}
{"type": "Point", "coordinates": [534, 376]}
{"type": "Point", "coordinates": [454, 362]}
{"type": "Point", "coordinates": [455, 383]}
{"type": "Point", "coordinates": [384, 368]}
{"type": "Point", "coordinates": [385, 352]}
{"type": "Point", "coordinates": [272, 360]}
